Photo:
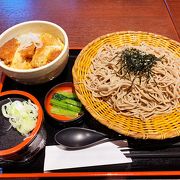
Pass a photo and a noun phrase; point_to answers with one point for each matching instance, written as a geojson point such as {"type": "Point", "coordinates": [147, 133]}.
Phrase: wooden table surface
{"type": "Point", "coordinates": [85, 20]}
{"type": "Point", "coordinates": [174, 10]}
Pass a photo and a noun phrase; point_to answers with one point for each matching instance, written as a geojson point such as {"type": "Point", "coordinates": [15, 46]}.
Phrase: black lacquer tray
{"type": "Point", "coordinates": [138, 164]}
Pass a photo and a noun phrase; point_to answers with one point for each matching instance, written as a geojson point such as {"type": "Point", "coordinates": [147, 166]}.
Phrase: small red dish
{"type": "Point", "coordinates": [17, 148]}
{"type": "Point", "coordinates": [66, 87]}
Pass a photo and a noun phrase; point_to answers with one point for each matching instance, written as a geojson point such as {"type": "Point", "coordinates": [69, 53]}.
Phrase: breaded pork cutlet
{"type": "Point", "coordinates": [28, 52]}
{"type": "Point", "coordinates": [7, 51]}
{"type": "Point", "coordinates": [51, 49]}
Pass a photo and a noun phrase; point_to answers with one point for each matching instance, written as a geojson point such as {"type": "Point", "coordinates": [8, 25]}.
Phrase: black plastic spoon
{"type": "Point", "coordinates": [78, 138]}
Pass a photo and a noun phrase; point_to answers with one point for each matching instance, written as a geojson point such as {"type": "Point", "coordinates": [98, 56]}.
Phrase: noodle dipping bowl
{"type": "Point", "coordinates": [42, 73]}
{"type": "Point", "coordinates": [17, 147]}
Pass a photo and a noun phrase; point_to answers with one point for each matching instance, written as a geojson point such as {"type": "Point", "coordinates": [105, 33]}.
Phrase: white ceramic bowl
{"type": "Point", "coordinates": [44, 73]}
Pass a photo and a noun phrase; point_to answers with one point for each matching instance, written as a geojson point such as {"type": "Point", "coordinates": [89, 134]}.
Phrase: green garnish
{"type": "Point", "coordinates": [68, 94]}
{"type": "Point", "coordinates": [64, 112]}
{"type": "Point", "coordinates": [138, 63]}
{"type": "Point", "coordinates": [59, 96]}
{"type": "Point", "coordinates": [64, 105]}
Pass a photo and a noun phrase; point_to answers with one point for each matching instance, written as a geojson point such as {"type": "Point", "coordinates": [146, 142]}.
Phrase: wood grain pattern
{"type": "Point", "coordinates": [174, 10]}
{"type": "Point", "coordinates": [86, 20]}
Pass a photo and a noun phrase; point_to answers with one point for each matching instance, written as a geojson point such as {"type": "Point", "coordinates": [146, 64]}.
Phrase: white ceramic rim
{"type": "Point", "coordinates": [66, 44]}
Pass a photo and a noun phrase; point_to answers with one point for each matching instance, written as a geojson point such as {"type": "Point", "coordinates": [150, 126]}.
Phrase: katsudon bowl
{"type": "Point", "coordinates": [39, 74]}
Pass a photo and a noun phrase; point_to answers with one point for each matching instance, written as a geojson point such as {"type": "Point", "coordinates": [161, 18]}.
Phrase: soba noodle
{"type": "Point", "coordinates": [161, 94]}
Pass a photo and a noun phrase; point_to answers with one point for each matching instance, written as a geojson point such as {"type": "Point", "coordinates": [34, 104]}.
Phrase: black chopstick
{"type": "Point", "coordinates": [168, 152]}
{"type": "Point", "coordinates": [151, 147]}
{"type": "Point", "coordinates": [153, 155]}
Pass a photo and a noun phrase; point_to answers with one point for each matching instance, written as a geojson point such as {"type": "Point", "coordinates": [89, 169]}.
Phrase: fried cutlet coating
{"type": "Point", "coordinates": [53, 55]}
{"type": "Point", "coordinates": [28, 52]}
{"type": "Point", "coordinates": [51, 48]}
{"type": "Point", "coordinates": [31, 56]}
{"type": "Point", "coordinates": [44, 55]}
{"type": "Point", "coordinates": [8, 50]}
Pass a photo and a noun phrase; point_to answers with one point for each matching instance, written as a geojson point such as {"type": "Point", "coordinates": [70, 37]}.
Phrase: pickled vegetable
{"type": "Point", "coordinates": [66, 104]}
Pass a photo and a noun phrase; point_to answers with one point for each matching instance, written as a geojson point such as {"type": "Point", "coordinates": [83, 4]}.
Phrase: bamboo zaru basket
{"type": "Point", "coordinates": [159, 127]}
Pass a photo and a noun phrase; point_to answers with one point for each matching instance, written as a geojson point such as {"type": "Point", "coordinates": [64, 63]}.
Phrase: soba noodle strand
{"type": "Point", "coordinates": [161, 94]}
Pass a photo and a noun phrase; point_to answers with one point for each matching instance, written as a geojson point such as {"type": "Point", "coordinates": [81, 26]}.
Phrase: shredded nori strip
{"type": "Point", "coordinates": [138, 63]}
